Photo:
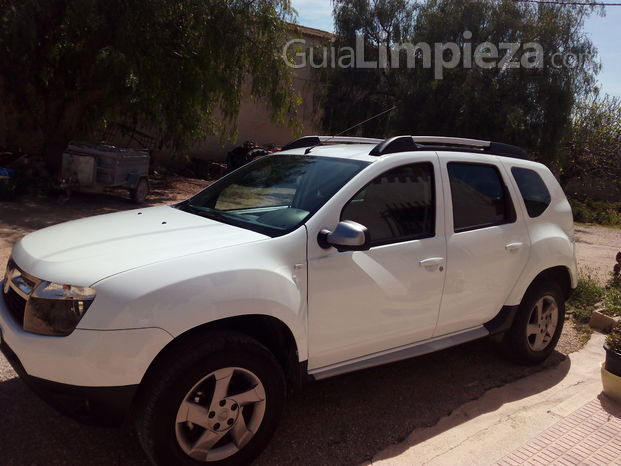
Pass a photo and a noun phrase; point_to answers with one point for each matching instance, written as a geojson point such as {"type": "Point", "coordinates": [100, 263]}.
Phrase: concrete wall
{"type": "Point", "coordinates": [254, 123]}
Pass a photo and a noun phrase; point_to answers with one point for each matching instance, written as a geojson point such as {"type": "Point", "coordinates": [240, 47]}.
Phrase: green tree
{"type": "Point", "coordinates": [592, 148]}
{"type": "Point", "coordinates": [349, 95]}
{"type": "Point", "coordinates": [528, 106]}
{"type": "Point", "coordinates": [179, 69]}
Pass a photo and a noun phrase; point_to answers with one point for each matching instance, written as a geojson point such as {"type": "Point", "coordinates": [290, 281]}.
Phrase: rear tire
{"type": "Point", "coordinates": [538, 324]}
{"type": "Point", "coordinates": [216, 401]}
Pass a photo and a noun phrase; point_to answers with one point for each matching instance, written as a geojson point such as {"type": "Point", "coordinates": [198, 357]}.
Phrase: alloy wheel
{"type": "Point", "coordinates": [542, 323]}
{"type": "Point", "coordinates": [220, 414]}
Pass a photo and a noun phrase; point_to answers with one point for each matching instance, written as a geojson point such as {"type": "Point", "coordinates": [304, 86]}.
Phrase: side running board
{"type": "Point", "coordinates": [400, 353]}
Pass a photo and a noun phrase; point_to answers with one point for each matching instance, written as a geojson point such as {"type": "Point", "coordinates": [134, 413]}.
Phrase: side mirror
{"type": "Point", "coordinates": [347, 236]}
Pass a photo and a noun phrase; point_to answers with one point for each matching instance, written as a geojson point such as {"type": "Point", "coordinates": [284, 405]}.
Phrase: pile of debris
{"type": "Point", "coordinates": [22, 173]}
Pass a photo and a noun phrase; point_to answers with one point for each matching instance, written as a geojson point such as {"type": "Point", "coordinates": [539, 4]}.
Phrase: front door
{"type": "Point", "coordinates": [365, 302]}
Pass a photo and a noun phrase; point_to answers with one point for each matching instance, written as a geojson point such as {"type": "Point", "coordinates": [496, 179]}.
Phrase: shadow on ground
{"type": "Point", "coordinates": [610, 406]}
{"type": "Point", "coordinates": [348, 419]}
{"type": "Point", "coordinates": [344, 420]}
{"type": "Point", "coordinates": [33, 433]}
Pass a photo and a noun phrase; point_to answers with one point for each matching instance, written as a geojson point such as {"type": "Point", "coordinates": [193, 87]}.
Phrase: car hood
{"type": "Point", "coordinates": [85, 251]}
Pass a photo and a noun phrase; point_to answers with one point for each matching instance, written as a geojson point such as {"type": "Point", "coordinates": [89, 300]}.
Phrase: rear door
{"type": "Point", "coordinates": [487, 240]}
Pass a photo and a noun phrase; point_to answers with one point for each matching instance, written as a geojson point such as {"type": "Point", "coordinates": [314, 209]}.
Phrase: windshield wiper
{"type": "Point", "coordinates": [185, 206]}
{"type": "Point", "coordinates": [208, 213]}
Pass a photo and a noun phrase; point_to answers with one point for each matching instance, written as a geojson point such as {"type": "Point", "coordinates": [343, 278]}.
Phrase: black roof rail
{"type": "Point", "coordinates": [417, 143]}
{"type": "Point", "coordinates": [306, 141]}
{"type": "Point", "coordinates": [394, 144]}
{"type": "Point", "coordinates": [310, 141]}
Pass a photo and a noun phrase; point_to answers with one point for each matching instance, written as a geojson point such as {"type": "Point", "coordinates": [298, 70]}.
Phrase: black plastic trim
{"type": "Point", "coordinates": [306, 141]}
{"type": "Point", "coordinates": [396, 144]}
{"type": "Point", "coordinates": [103, 406]}
{"type": "Point", "coordinates": [305, 377]}
{"type": "Point", "coordinates": [507, 150]}
{"type": "Point", "coordinates": [503, 320]}
{"type": "Point", "coordinates": [406, 144]}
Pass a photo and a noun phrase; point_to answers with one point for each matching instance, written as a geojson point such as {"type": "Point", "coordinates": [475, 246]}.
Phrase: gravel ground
{"type": "Point", "coordinates": [343, 420]}
{"type": "Point", "coordinates": [596, 248]}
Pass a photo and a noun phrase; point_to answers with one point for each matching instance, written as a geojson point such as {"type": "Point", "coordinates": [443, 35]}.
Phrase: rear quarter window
{"type": "Point", "coordinates": [533, 190]}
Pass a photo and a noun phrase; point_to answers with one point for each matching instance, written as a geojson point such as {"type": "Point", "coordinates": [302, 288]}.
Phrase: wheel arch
{"type": "Point", "coordinates": [271, 332]}
{"type": "Point", "coordinates": [559, 274]}
{"type": "Point", "coordinates": [563, 274]}
{"type": "Point", "coordinates": [515, 339]}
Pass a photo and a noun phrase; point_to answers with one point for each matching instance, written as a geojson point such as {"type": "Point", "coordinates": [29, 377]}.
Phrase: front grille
{"type": "Point", "coordinates": [16, 305]}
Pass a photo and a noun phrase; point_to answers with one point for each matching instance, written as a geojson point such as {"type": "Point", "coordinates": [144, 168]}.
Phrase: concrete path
{"type": "Point", "coordinates": [590, 435]}
{"type": "Point", "coordinates": [506, 419]}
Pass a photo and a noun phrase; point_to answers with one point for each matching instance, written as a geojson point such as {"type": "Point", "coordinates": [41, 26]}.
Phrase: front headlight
{"type": "Point", "coordinates": [54, 309]}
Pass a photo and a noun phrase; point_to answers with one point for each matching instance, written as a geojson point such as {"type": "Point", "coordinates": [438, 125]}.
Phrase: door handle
{"type": "Point", "coordinates": [514, 246]}
{"type": "Point", "coordinates": [431, 263]}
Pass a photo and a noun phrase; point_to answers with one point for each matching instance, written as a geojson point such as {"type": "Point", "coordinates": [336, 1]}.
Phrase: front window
{"type": "Point", "coordinates": [398, 205]}
{"type": "Point", "coordinates": [275, 194]}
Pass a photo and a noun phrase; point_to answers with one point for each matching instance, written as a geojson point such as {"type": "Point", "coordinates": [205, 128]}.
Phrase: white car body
{"type": "Point", "coordinates": [160, 272]}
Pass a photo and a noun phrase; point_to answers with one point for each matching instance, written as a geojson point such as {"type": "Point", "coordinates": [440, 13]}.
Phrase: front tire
{"type": "Point", "coordinates": [216, 401]}
{"type": "Point", "coordinates": [538, 324]}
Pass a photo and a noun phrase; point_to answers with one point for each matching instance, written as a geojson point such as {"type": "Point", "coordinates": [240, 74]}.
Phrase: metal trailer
{"type": "Point", "coordinates": [92, 167]}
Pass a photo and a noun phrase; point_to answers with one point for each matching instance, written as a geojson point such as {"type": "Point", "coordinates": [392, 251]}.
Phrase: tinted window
{"type": "Point", "coordinates": [275, 194]}
{"type": "Point", "coordinates": [397, 205]}
{"type": "Point", "coordinates": [480, 198]}
{"type": "Point", "coordinates": [534, 191]}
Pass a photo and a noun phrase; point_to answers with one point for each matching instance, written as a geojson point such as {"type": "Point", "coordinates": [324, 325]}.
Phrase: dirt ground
{"type": "Point", "coordinates": [596, 248]}
{"type": "Point", "coordinates": [344, 420]}
{"type": "Point", "coordinates": [20, 218]}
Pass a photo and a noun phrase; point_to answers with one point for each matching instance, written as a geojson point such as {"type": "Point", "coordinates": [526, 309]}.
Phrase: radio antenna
{"type": "Point", "coordinates": [307, 151]}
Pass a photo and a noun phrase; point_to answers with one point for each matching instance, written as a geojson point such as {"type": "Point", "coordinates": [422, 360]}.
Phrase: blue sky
{"type": "Point", "coordinates": [605, 34]}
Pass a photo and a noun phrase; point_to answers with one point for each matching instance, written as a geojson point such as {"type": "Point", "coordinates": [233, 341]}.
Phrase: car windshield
{"type": "Point", "coordinates": [275, 194]}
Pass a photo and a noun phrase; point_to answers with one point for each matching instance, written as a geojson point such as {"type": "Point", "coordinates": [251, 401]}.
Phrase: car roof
{"type": "Point", "coordinates": [369, 149]}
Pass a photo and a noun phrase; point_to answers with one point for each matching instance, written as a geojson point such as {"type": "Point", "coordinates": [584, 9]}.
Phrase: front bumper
{"type": "Point", "coordinates": [86, 372]}
{"type": "Point", "coordinates": [106, 406]}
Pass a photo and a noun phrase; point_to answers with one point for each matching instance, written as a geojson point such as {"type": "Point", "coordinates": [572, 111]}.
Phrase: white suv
{"type": "Point", "coordinates": [334, 255]}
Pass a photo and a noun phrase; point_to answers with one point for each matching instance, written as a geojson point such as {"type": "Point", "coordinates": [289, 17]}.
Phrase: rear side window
{"type": "Point", "coordinates": [398, 205]}
{"type": "Point", "coordinates": [480, 197]}
{"type": "Point", "coordinates": [534, 191]}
